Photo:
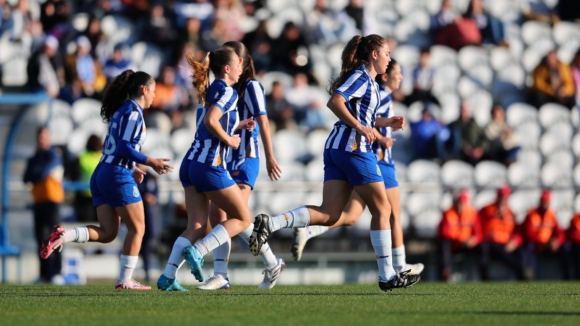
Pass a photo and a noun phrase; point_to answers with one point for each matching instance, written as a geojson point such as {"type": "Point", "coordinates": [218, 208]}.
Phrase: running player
{"type": "Point", "coordinates": [349, 161]}
{"type": "Point", "coordinates": [244, 165]}
{"type": "Point", "coordinates": [114, 181]}
{"type": "Point", "coordinates": [388, 82]}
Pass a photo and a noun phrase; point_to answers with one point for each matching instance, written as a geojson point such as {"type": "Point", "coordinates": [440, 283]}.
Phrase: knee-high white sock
{"type": "Point", "coordinates": [221, 257]}
{"type": "Point", "coordinates": [381, 241]}
{"type": "Point", "coordinates": [218, 236]}
{"type": "Point", "coordinates": [268, 257]}
{"type": "Point", "coordinates": [399, 258]}
{"type": "Point", "coordinates": [128, 264]}
{"type": "Point", "coordinates": [175, 259]}
{"type": "Point", "coordinates": [315, 230]}
{"type": "Point", "coordinates": [79, 235]}
{"type": "Point", "coordinates": [296, 218]}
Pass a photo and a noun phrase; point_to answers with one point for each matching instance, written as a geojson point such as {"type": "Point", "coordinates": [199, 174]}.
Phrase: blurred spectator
{"type": "Point", "coordinates": [45, 69]}
{"type": "Point", "coordinates": [159, 29]}
{"type": "Point", "coordinates": [503, 143]}
{"type": "Point", "coordinates": [45, 171]}
{"type": "Point", "coordinates": [490, 28]}
{"type": "Point", "coordinates": [53, 13]}
{"type": "Point", "coordinates": [201, 10]}
{"type": "Point", "coordinates": [84, 168]}
{"type": "Point", "coordinates": [290, 52]}
{"type": "Point", "coordinates": [96, 37]}
{"type": "Point", "coordinates": [423, 76]}
{"type": "Point", "coordinates": [541, 234]}
{"type": "Point", "coordinates": [279, 109]}
{"type": "Point", "coordinates": [430, 137]}
{"type": "Point", "coordinates": [83, 72]}
{"type": "Point", "coordinates": [327, 26]}
{"type": "Point", "coordinates": [552, 82]}
{"type": "Point", "coordinates": [364, 22]}
{"type": "Point", "coordinates": [183, 73]}
{"type": "Point", "coordinates": [459, 232]}
{"type": "Point", "coordinates": [117, 63]}
{"type": "Point", "coordinates": [259, 43]}
{"type": "Point", "coordinates": [500, 237]}
{"type": "Point", "coordinates": [539, 11]}
{"type": "Point", "coordinates": [306, 104]}
{"type": "Point", "coordinates": [19, 21]}
{"type": "Point", "coordinates": [450, 29]}
{"type": "Point", "coordinates": [168, 96]}
{"type": "Point", "coordinates": [575, 66]}
{"type": "Point", "coordinates": [572, 250]}
{"type": "Point", "coordinates": [213, 38]}
{"type": "Point", "coordinates": [469, 134]}
{"type": "Point", "coordinates": [149, 190]}
{"type": "Point", "coordinates": [231, 13]}
{"type": "Point", "coordinates": [568, 10]}
{"type": "Point", "coordinates": [5, 12]}
{"type": "Point", "coordinates": [190, 34]}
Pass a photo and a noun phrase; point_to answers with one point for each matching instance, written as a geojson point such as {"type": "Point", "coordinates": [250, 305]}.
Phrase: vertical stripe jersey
{"type": "Point", "coordinates": [125, 137]}
{"type": "Point", "coordinates": [362, 100]}
{"type": "Point", "coordinates": [252, 104]}
{"type": "Point", "coordinates": [385, 110]}
{"type": "Point", "coordinates": [207, 148]}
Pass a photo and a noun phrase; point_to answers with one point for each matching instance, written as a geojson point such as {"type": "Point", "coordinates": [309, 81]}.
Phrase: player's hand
{"type": "Point", "coordinates": [274, 171]}
{"type": "Point", "coordinates": [398, 123]}
{"type": "Point", "coordinates": [388, 142]}
{"type": "Point", "coordinates": [159, 165]}
{"type": "Point", "coordinates": [248, 124]}
{"type": "Point", "coordinates": [139, 175]}
{"type": "Point", "coordinates": [366, 132]}
{"type": "Point", "coordinates": [234, 141]}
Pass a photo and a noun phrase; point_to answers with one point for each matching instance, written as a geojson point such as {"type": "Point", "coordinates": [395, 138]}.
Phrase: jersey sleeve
{"type": "Point", "coordinates": [354, 87]}
{"type": "Point", "coordinates": [225, 99]}
{"type": "Point", "coordinates": [255, 98]}
{"type": "Point", "coordinates": [130, 128]}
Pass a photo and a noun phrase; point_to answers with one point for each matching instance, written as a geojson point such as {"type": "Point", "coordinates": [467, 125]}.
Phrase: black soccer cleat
{"type": "Point", "coordinates": [260, 234]}
{"type": "Point", "coordinates": [401, 280]}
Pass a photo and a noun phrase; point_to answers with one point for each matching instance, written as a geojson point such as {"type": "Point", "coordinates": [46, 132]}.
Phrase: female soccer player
{"type": "Point", "coordinates": [388, 82]}
{"type": "Point", "coordinates": [243, 165]}
{"type": "Point", "coordinates": [114, 181]}
{"type": "Point", "coordinates": [349, 161]}
{"type": "Point", "coordinates": [203, 172]}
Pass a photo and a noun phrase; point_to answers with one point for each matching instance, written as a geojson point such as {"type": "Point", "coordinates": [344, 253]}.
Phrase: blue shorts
{"type": "Point", "coordinates": [113, 185]}
{"type": "Point", "coordinates": [358, 168]}
{"type": "Point", "coordinates": [204, 177]}
{"type": "Point", "coordinates": [245, 170]}
{"type": "Point", "coordinates": [389, 175]}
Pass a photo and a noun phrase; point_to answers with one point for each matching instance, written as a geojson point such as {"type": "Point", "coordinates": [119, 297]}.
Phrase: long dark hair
{"type": "Point", "coordinates": [127, 85]}
{"type": "Point", "coordinates": [392, 64]}
{"type": "Point", "coordinates": [213, 61]}
{"type": "Point", "coordinates": [355, 52]}
{"type": "Point", "coordinates": [248, 72]}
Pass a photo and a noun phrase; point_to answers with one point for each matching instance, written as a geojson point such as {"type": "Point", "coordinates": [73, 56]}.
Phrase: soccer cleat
{"type": "Point", "coordinates": [131, 285]}
{"type": "Point", "coordinates": [415, 269]}
{"type": "Point", "coordinates": [54, 242]}
{"type": "Point", "coordinates": [216, 282]}
{"type": "Point", "coordinates": [195, 262]}
{"type": "Point", "coordinates": [271, 275]}
{"type": "Point", "coordinates": [260, 234]}
{"type": "Point", "coordinates": [401, 280]}
{"type": "Point", "coordinates": [169, 284]}
{"type": "Point", "coordinates": [299, 238]}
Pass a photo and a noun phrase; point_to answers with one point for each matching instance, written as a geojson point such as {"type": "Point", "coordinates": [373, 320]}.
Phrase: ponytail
{"type": "Point", "coordinates": [355, 53]}
{"type": "Point", "coordinates": [214, 61]}
{"type": "Point", "coordinates": [127, 85]}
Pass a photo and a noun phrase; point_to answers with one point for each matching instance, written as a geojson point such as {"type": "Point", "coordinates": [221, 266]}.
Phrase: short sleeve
{"type": "Point", "coordinates": [255, 98]}
{"type": "Point", "coordinates": [225, 99]}
{"type": "Point", "coordinates": [355, 86]}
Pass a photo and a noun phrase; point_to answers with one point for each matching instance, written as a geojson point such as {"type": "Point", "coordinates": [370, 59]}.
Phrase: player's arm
{"type": "Point", "coordinates": [394, 122]}
{"type": "Point", "coordinates": [212, 123]}
{"type": "Point", "coordinates": [337, 104]}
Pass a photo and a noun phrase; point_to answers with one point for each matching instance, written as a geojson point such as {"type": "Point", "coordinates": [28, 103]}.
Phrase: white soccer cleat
{"type": "Point", "coordinates": [299, 238]}
{"type": "Point", "coordinates": [216, 282]}
{"type": "Point", "coordinates": [271, 275]}
{"type": "Point", "coordinates": [415, 269]}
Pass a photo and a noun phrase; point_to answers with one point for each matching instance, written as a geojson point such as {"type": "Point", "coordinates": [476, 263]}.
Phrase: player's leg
{"type": "Point", "coordinates": [221, 255]}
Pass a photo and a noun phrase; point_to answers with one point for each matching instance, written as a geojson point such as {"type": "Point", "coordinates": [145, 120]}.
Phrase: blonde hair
{"type": "Point", "coordinates": [214, 61]}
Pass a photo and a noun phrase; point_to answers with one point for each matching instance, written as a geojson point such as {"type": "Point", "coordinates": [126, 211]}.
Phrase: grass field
{"type": "Point", "coordinates": [527, 304]}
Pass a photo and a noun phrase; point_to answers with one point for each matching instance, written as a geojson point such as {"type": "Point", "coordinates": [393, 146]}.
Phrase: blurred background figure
{"type": "Point", "coordinates": [307, 106]}
{"type": "Point", "coordinates": [83, 71]}
{"type": "Point", "coordinates": [469, 135]}
{"type": "Point", "coordinates": [459, 232]}
{"type": "Point", "coordinates": [552, 83]}
{"type": "Point", "coordinates": [44, 171]}
{"type": "Point", "coordinates": [572, 250]}
{"type": "Point", "coordinates": [45, 69]}
{"type": "Point", "coordinates": [503, 142]}
{"type": "Point", "coordinates": [430, 137]}
{"type": "Point", "coordinates": [423, 81]}
{"type": "Point", "coordinates": [84, 168]}
{"type": "Point", "coordinates": [490, 28]}
{"type": "Point", "coordinates": [575, 66]}
{"type": "Point", "coordinates": [541, 234]}
{"type": "Point", "coordinates": [500, 236]}
{"type": "Point", "coordinates": [117, 63]}
{"type": "Point", "coordinates": [280, 111]}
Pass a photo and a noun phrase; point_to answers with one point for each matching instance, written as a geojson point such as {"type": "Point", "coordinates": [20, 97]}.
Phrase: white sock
{"type": "Point", "coordinates": [221, 257]}
{"type": "Point", "coordinates": [175, 258]}
{"type": "Point", "coordinates": [79, 235]}
{"type": "Point", "coordinates": [315, 230]}
{"type": "Point", "coordinates": [268, 257]}
{"type": "Point", "coordinates": [128, 264]}
{"type": "Point", "coordinates": [296, 218]}
{"type": "Point", "coordinates": [399, 259]}
{"type": "Point", "coordinates": [218, 236]}
{"type": "Point", "coordinates": [381, 241]}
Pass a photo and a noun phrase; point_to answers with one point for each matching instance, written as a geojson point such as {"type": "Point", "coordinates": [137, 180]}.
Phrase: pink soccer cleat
{"type": "Point", "coordinates": [131, 285]}
{"type": "Point", "coordinates": [54, 242]}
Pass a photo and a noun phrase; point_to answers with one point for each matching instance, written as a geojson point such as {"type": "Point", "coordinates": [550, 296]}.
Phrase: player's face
{"type": "Point", "coordinates": [395, 77]}
{"type": "Point", "coordinates": [235, 69]}
{"type": "Point", "coordinates": [149, 94]}
{"type": "Point", "coordinates": [382, 58]}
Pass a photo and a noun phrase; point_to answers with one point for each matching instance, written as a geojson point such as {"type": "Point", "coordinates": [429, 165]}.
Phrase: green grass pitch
{"type": "Point", "coordinates": [542, 303]}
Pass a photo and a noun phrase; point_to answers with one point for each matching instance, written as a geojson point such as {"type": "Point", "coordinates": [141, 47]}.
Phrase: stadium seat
{"type": "Point", "coordinates": [564, 158]}
{"type": "Point", "coordinates": [565, 32]}
{"type": "Point", "coordinates": [531, 58]}
{"type": "Point", "coordinates": [576, 145]}
{"type": "Point", "coordinates": [556, 139]}
{"type": "Point", "coordinates": [490, 174]}
{"type": "Point", "coordinates": [576, 175]}
{"type": "Point", "coordinates": [501, 58]}
{"type": "Point", "coordinates": [84, 109]}
{"type": "Point", "coordinates": [484, 198]}
{"type": "Point", "coordinates": [316, 141]}
{"type": "Point", "coordinates": [481, 103]}
{"type": "Point", "coordinates": [563, 203]}
{"type": "Point", "coordinates": [401, 171]}
{"type": "Point", "coordinates": [407, 56]}
{"type": "Point", "coordinates": [160, 121]}
{"type": "Point", "coordinates": [442, 55]}
{"type": "Point", "coordinates": [155, 139]}
{"type": "Point", "coordinates": [60, 130]}
{"type": "Point", "coordinates": [551, 113]}
{"type": "Point", "coordinates": [472, 56]}
{"type": "Point", "coordinates": [314, 170]}
{"type": "Point", "coordinates": [528, 135]}
{"type": "Point", "coordinates": [534, 30]}
{"type": "Point", "coordinates": [424, 171]}
{"type": "Point", "coordinates": [60, 109]}
{"type": "Point", "coordinates": [14, 72]}
{"type": "Point", "coordinates": [513, 74]}
{"type": "Point", "coordinates": [147, 57]}
{"type": "Point", "coordinates": [425, 211]}
{"type": "Point", "coordinates": [521, 201]}
{"type": "Point", "coordinates": [77, 141]}
{"type": "Point", "coordinates": [446, 78]}
{"type": "Point", "coordinates": [181, 140]}
{"type": "Point", "coordinates": [482, 75]}
{"type": "Point", "coordinates": [555, 175]}
{"type": "Point", "coordinates": [410, 30]}
{"type": "Point", "coordinates": [268, 78]}
{"type": "Point", "coordinates": [293, 171]}
{"type": "Point", "coordinates": [466, 87]}
{"type": "Point", "coordinates": [523, 175]}
{"type": "Point", "coordinates": [450, 104]}
{"type": "Point", "coordinates": [289, 145]}
{"type": "Point", "coordinates": [457, 174]}
{"type": "Point", "coordinates": [520, 113]}
{"type": "Point", "coordinates": [577, 203]}
{"type": "Point", "coordinates": [282, 201]}
{"type": "Point", "coordinates": [95, 126]}
{"type": "Point", "coordinates": [507, 11]}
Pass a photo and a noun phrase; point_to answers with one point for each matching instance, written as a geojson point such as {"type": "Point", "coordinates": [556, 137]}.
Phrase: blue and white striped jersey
{"type": "Point", "coordinates": [385, 110]}
{"type": "Point", "coordinates": [252, 105]}
{"type": "Point", "coordinates": [207, 148]}
{"type": "Point", "coordinates": [126, 136]}
{"type": "Point", "coordinates": [362, 100]}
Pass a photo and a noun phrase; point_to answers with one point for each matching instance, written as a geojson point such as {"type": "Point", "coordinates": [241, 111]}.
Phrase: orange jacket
{"type": "Point", "coordinates": [498, 228]}
{"type": "Point", "coordinates": [574, 229]}
{"type": "Point", "coordinates": [459, 228]}
{"type": "Point", "coordinates": [542, 83]}
{"type": "Point", "coordinates": [541, 229]}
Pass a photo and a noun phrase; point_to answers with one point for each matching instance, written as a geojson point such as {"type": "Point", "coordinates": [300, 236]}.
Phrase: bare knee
{"type": "Point", "coordinates": [107, 237]}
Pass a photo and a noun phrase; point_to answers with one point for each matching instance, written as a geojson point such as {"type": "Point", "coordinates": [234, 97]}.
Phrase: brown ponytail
{"type": "Point", "coordinates": [127, 85]}
{"type": "Point", "coordinates": [355, 53]}
{"type": "Point", "coordinates": [214, 61]}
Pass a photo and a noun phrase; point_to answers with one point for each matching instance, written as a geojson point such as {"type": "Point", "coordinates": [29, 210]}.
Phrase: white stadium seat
{"type": "Point", "coordinates": [484, 198]}
{"type": "Point", "coordinates": [528, 135]}
{"type": "Point", "coordinates": [442, 55]}
{"type": "Point", "coordinates": [472, 56]}
{"type": "Point", "coordinates": [521, 201]}
{"type": "Point", "coordinates": [563, 203]}
{"type": "Point", "coordinates": [60, 130]}
{"type": "Point", "coordinates": [425, 211]}
{"type": "Point", "coordinates": [181, 140]}
{"type": "Point", "coordinates": [523, 175]}
{"type": "Point", "coordinates": [481, 103]}
{"type": "Point", "coordinates": [457, 174]}
{"type": "Point", "coordinates": [424, 171]}
{"type": "Point", "coordinates": [552, 113]}
{"type": "Point", "coordinates": [576, 175]}
{"type": "Point", "coordinates": [288, 145]}
{"type": "Point", "coordinates": [555, 175]}
{"type": "Point", "coordinates": [576, 145]}
{"type": "Point", "coordinates": [85, 109]}
{"type": "Point", "coordinates": [534, 30]}
{"type": "Point", "coordinates": [519, 113]}
{"type": "Point", "coordinates": [564, 32]}
{"type": "Point", "coordinates": [490, 174]}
